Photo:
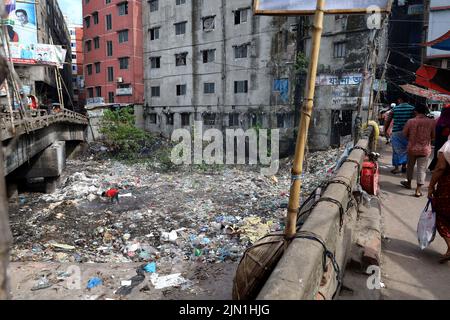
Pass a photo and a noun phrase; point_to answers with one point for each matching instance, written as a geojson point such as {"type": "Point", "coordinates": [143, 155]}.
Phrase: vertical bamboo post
{"type": "Point", "coordinates": [302, 138]}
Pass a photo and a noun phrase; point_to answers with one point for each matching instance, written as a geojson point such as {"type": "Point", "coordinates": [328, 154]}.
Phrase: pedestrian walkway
{"type": "Point", "coordinates": [407, 271]}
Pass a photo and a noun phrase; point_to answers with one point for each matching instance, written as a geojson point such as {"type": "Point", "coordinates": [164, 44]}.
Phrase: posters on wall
{"type": "Point", "coordinates": [21, 22]}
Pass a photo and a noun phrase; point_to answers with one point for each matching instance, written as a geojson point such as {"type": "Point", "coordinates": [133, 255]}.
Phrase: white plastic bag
{"type": "Point", "coordinates": [426, 228]}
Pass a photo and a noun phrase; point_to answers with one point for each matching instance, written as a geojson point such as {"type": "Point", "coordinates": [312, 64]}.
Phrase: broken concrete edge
{"type": "Point", "coordinates": [298, 275]}
{"type": "Point", "coordinates": [369, 237]}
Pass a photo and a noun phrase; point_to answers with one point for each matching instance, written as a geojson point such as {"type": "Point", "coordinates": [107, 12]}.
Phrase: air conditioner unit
{"type": "Point", "coordinates": [119, 79]}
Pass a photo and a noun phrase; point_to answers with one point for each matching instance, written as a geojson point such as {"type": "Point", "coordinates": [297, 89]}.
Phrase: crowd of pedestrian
{"type": "Point", "coordinates": [413, 135]}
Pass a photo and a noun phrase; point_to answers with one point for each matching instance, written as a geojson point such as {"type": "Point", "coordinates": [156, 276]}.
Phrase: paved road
{"type": "Point", "coordinates": [408, 272]}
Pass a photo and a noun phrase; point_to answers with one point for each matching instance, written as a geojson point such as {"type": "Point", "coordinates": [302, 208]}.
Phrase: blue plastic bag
{"type": "Point", "coordinates": [426, 228]}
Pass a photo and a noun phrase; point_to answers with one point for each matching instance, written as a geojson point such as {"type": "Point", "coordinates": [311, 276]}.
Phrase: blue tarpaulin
{"type": "Point", "coordinates": [282, 86]}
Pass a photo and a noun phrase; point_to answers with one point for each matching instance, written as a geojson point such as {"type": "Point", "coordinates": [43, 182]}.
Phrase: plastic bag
{"type": "Point", "coordinates": [426, 228]}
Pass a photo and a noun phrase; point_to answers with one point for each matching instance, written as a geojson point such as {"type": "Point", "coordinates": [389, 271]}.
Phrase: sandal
{"type": "Point", "coordinates": [395, 171]}
{"type": "Point", "coordinates": [418, 194]}
{"type": "Point", "coordinates": [444, 259]}
{"type": "Point", "coordinates": [406, 184]}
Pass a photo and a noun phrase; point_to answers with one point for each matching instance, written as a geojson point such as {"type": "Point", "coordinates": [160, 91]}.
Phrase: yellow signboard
{"type": "Point", "coordinates": [307, 7]}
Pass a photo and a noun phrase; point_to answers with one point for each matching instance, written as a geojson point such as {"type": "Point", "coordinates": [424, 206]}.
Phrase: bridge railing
{"type": "Point", "coordinates": [30, 120]}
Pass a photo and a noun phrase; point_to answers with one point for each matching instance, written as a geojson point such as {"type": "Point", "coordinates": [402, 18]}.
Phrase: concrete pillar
{"type": "Point", "coordinates": [49, 163]}
{"type": "Point", "coordinates": [139, 116]}
{"type": "Point", "coordinates": [50, 185]}
{"type": "Point", "coordinates": [177, 120]}
{"type": "Point", "coordinates": [12, 190]}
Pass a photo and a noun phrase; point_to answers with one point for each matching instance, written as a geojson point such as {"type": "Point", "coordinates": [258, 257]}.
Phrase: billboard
{"type": "Point", "coordinates": [298, 7]}
{"type": "Point", "coordinates": [21, 21]}
{"type": "Point", "coordinates": [38, 54]}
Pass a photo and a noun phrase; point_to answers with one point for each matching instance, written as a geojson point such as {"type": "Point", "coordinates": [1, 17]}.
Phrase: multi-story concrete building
{"type": "Point", "coordinates": [76, 39]}
{"type": "Point", "coordinates": [438, 25]}
{"type": "Point", "coordinates": [214, 61]}
{"type": "Point", "coordinates": [345, 74]}
{"type": "Point", "coordinates": [113, 66]}
{"type": "Point", "coordinates": [49, 27]}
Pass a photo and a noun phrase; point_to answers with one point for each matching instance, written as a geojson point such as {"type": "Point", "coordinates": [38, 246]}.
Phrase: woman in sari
{"type": "Point", "coordinates": [439, 192]}
{"type": "Point", "coordinates": [442, 133]}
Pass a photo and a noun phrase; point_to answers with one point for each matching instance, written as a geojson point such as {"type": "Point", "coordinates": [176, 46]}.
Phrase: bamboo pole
{"type": "Point", "coordinates": [302, 138]}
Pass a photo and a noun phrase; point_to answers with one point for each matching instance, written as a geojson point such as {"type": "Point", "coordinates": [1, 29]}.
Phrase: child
{"type": "Point", "coordinates": [113, 194]}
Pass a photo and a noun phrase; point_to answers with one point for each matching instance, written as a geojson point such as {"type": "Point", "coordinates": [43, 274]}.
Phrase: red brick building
{"type": "Point", "coordinates": [113, 50]}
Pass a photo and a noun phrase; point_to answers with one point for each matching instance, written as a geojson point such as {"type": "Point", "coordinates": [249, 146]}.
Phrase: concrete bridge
{"type": "Point", "coordinates": [36, 144]}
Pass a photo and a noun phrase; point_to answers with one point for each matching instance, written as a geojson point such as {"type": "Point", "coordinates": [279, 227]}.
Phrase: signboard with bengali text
{"type": "Point", "coordinates": [305, 7]}
{"type": "Point", "coordinates": [38, 54]}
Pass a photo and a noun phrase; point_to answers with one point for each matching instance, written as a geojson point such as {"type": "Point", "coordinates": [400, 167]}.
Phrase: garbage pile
{"type": "Point", "coordinates": [169, 218]}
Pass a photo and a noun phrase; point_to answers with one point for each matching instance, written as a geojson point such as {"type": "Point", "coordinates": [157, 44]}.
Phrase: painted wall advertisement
{"type": "Point", "coordinates": [22, 30]}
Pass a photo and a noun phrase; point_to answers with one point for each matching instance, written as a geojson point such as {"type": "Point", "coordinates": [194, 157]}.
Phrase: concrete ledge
{"type": "Point", "coordinates": [299, 274]}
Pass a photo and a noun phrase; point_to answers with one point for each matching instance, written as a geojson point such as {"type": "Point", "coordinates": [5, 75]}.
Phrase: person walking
{"type": "Point", "coordinates": [439, 193]}
{"type": "Point", "coordinates": [420, 133]}
{"type": "Point", "coordinates": [388, 123]}
{"type": "Point", "coordinates": [442, 133]}
{"type": "Point", "coordinates": [400, 115]}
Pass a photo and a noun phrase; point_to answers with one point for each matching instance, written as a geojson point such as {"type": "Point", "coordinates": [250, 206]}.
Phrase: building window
{"type": "Point", "coordinates": [209, 119]}
{"type": "Point", "coordinates": [90, 92]}
{"type": "Point", "coordinates": [155, 62]}
{"type": "Point", "coordinates": [180, 59]}
{"type": "Point", "coordinates": [98, 91]}
{"type": "Point", "coordinates": [185, 119]}
{"type": "Point", "coordinates": [95, 17]}
{"type": "Point", "coordinates": [123, 8]}
{"type": "Point", "coordinates": [88, 45]}
{"type": "Point", "coordinates": [108, 1]}
{"type": "Point", "coordinates": [280, 120]}
{"type": "Point", "coordinates": [87, 22]}
{"type": "Point", "coordinates": [109, 48]}
{"type": "Point", "coordinates": [154, 33]}
{"type": "Point", "coordinates": [152, 118]}
{"type": "Point", "coordinates": [339, 50]}
{"type": "Point", "coordinates": [123, 62]}
{"type": "Point", "coordinates": [181, 90]}
{"type": "Point", "coordinates": [123, 36]}
{"type": "Point", "coordinates": [180, 28]}
{"type": "Point", "coordinates": [208, 23]}
{"type": "Point", "coordinates": [97, 67]}
{"type": "Point", "coordinates": [180, 2]}
{"type": "Point", "coordinates": [89, 69]}
{"type": "Point", "coordinates": [108, 22]}
{"type": "Point", "coordinates": [96, 42]}
{"type": "Point", "coordinates": [155, 91]}
{"type": "Point", "coordinates": [169, 119]}
{"type": "Point", "coordinates": [209, 88]}
{"type": "Point", "coordinates": [154, 5]}
{"type": "Point", "coordinates": [240, 16]}
{"type": "Point", "coordinates": [111, 97]}
{"type": "Point", "coordinates": [241, 86]}
{"type": "Point", "coordinates": [110, 74]}
{"type": "Point", "coordinates": [233, 119]}
{"type": "Point", "coordinates": [209, 55]}
{"type": "Point", "coordinates": [240, 51]}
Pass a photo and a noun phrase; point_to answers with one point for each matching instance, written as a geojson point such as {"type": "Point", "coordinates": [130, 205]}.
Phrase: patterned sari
{"type": "Point", "coordinates": [441, 199]}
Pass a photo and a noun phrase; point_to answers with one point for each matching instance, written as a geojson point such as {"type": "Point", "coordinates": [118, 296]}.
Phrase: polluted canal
{"type": "Point", "coordinates": [175, 234]}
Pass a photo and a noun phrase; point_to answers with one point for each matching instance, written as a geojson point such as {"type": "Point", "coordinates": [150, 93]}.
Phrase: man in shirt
{"type": "Point", "coordinates": [420, 132]}
{"type": "Point", "coordinates": [400, 115]}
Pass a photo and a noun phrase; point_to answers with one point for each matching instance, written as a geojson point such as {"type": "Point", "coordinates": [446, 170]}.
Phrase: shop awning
{"type": "Point", "coordinates": [441, 43]}
{"type": "Point", "coordinates": [434, 78]}
{"type": "Point", "coordinates": [429, 94]}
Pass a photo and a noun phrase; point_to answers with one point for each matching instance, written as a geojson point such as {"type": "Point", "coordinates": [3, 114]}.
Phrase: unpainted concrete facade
{"type": "Point", "coordinates": [343, 54]}
{"type": "Point", "coordinates": [209, 91]}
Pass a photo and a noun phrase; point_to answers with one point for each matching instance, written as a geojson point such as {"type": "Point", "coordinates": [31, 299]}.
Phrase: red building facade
{"type": "Point", "coordinates": [113, 50]}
